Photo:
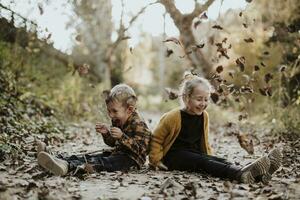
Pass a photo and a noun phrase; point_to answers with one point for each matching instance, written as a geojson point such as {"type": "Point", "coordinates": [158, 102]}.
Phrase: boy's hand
{"type": "Point", "coordinates": [116, 132]}
{"type": "Point", "coordinates": [102, 128]}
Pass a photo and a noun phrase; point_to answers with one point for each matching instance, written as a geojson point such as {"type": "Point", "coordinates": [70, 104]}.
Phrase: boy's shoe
{"type": "Point", "coordinates": [258, 168]}
{"type": "Point", "coordinates": [56, 166]}
{"type": "Point", "coordinates": [275, 157]}
{"type": "Point", "coordinates": [41, 146]}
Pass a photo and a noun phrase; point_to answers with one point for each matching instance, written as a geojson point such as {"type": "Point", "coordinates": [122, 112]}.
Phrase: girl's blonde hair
{"type": "Point", "coordinates": [122, 93]}
{"type": "Point", "coordinates": [190, 81]}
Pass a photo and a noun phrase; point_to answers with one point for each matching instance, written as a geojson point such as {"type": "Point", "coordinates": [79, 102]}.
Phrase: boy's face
{"type": "Point", "coordinates": [198, 101]}
{"type": "Point", "coordinates": [118, 112]}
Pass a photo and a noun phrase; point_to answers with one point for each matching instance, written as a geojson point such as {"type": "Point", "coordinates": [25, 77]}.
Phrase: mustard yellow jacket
{"type": "Point", "coordinates": [167, 131]}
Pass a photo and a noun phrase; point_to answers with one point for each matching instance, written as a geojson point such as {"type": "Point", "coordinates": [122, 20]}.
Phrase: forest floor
{"type": "Point", "coordinates": [29, 181]}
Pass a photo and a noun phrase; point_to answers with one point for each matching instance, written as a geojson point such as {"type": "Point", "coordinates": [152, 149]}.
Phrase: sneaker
{"type": "Point", "coordinates": [275, 157]}
{"type": "Point", "coordinates": [41, 146]}
{"type": "Point", "coordinates": [56, 166]}
{"type": "Point", "coordinates": [258, 168]}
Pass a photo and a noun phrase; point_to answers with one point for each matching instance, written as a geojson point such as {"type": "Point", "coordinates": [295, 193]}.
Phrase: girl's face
{"type": "Point", "coordinates": [197, 102]}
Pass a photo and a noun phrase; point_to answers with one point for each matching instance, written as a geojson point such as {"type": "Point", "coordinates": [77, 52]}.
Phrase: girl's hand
{"type": "Point", "coordinates": [116, 132]}
{"type": "Point", "coordinates": [102, 128]}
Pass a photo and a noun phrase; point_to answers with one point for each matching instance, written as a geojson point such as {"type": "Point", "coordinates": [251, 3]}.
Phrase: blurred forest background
{"type": "Point", "coordinates": [252, 57]}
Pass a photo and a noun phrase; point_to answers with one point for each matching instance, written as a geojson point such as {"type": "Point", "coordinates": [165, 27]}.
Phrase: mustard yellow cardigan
{"type": "Point", "coordinates": [167, 131]}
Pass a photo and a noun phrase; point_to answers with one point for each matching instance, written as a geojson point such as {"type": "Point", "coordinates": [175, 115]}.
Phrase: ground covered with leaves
{"type": "Point", "coordinates": [22, 178]}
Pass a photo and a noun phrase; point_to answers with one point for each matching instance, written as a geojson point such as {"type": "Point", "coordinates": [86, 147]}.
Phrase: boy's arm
{"type": "Point", "coordinates": [109, 140]}
{"type": "Point", "coordinates": [139, 142]}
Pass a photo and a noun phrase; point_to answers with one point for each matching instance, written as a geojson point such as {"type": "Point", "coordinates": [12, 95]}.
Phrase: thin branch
{"type": "Point", "coordinates": [199, 9]}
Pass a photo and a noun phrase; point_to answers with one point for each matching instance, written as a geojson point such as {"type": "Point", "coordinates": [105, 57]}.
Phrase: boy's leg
{"type": "Point", "coordinates": [114, 162]}
{"type": "Point", "coordinates": [193, 161]}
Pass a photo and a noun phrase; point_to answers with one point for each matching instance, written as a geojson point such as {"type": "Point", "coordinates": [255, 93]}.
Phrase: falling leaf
{"type": "Point", "coordinates": [266, 91]}
{"type": "Point", "coordinates": [40, 6]}
{"type": "Point", "coordinates": [282, 68]}
{"type": "Point", "coordinates": [169, 52]}
{"type": "Point", "coordinates": [171, 93]}
{"type": "Point", "coordinates": [266, 53]}
{"type": "Point", "coordinates": [229, 47]}
{"type": "Point", "coordinates": [217, 27]}
{"type": "Point", "coordinates": [230, 74]}
{"type": "Point", "coordinates": [224, 40]}
{"type": "Point", "coordinates": [214, 97]}
{"type": "Point", "coordinates": [196, 24]}
{"type": "Point", "coordinates": [219, 69]}
{"type": "Point", "coordinates": [126, 38]}
{"type": "Point", "coordinates": [249, 1]}
{"type": "Point", "coordinates": [200, 46]}
{"type": "Point", "coordinates": [246, 143]}
{"type": "Point", "coordinates": [203, 16]}
{"type": "Point", "coordinates": [83, 69]}
{"type": "Point", "coordinates": [49, 36]}
{"type": "Point", "coordinates": [268, 77]}
{"type": "Point", "coordinates": [263, 64]}
{"type": "Point", "coordinates": [245, 25]}
{"type": "Point", "coordinates": [241, 63]}
{"type": "Point", "coordinates": [78, 38]}
{"type": "Point", "coordinates": [173, 39]}
{"type": "Point", "coordinates": [249, 40]}
{"type": "Point", "coordinates": [246, 89]}
{"type": "Point", "coordinates": [256, 67]}
{"type": "Point", "coordinates": [131, 50]}
{"type": "Point", "coordinates": [241, 14]}
{"type": "Point", "coordinates": [222, 50]}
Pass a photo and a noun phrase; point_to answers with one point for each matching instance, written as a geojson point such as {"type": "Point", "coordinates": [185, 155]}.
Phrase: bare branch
{"type": "Point", "coordinates": [170, 7]}
{"type": "Point", "coordinates": [200, 9]}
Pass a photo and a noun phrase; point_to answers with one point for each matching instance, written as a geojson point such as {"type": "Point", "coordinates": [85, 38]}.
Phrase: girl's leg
{"type": "Point", "coordinates": [197, 162]}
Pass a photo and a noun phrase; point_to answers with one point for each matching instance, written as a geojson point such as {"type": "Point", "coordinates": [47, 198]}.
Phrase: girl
{"type": "Point", "coordinates": [180, 140]}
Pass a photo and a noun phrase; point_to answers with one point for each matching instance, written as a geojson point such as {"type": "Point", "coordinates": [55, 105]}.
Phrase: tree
{"type": "Point", "coordinates": [184, 24]}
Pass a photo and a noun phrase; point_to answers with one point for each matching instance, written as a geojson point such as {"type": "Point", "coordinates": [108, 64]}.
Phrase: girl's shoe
{"type": "Point", "coordinates": [56, 166]}
{"type": "Point", "coordinates": [275, 157]}
{"type": "Point", "coordinates": [258, 168]}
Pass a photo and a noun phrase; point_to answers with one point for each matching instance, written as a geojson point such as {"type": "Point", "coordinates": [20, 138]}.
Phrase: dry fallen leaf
{"type": "Point", "coordinates": [172, 94]}
{"type": "Point", "coordinates": [169, 52]}
{"type": "Point", "coordinates": [249, 40]}
{"type": "Point", "coordinates": [241, 63]}
{"type": "Point", "coordinates": [246, 143]}
{"type": "Point", "coordinates": [219, 69]}
{"type": "Point", "coordinates": [83, 69]}
{"type": "Point", "coordinates": [217, 27]}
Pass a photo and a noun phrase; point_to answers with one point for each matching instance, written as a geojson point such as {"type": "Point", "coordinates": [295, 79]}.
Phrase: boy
{"type": "Point", "coordinates": [129, 135]}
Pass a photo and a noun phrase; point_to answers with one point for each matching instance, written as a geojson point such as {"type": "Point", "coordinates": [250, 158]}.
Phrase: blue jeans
{"type": "Point", "coordinates": [102, 162]}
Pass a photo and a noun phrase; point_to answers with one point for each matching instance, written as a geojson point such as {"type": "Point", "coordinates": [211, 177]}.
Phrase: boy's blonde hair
{"type": "Point", "coordinates": [122, 93]}
{"type": "Point", "coordinates": [191, 81]}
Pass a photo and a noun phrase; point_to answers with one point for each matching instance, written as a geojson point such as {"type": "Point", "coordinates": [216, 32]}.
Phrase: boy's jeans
{"type": "Point", "coordinates": [190, 160]}
{"type": "Point", "coordinates": [101, 162]}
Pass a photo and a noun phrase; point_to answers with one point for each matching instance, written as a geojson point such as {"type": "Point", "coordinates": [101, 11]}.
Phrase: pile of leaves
{"type": "Point", "coordinates": [23, 119]}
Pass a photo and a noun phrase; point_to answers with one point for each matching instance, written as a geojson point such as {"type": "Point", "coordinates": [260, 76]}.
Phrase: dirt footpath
{"type": "Point", "coordinates": [29, 181]}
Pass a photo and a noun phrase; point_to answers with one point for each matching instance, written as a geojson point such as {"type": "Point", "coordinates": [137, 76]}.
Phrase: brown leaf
{"type": "Point", "coordinates": [249, 40]}
{"type": "Point", "coordinates": [169, 52]}
{"type": "Point", "coordinates": [249, 1]}
{"type": "Point", "coordinates": [223, 51]}
{"type": "Point", "coordinates": [78, 38]}
{"type": "Point", "coordinates": [256, 67]}
{"type": "Point", "coordinates": [245, 25]}
{"type": "Point", "coordinates": [268, 77]}
{"type": "Point", "coordinates": [230, 74]}
{"type": "Point", "coordinates": [203, 16]}
{"type": "Point", "coordinates": [173, 39]}
{"type": "Point", "coordinates": [217, 27]}
{"type": "Point", "coordinates": [131, 50]}
{"type": "Point", "coordinates": [88, 168]}
{"type": "Point", "coordinates": [172, 94]}
{"type": "Point", "coordinates": [246, 143]}
{"type": "Point", "coordinates": [126, 38]}
{"type": "Point", "coordinates": [40, 6]}
{"type": "Point", "coordinates": [197, 23]}
{"type": "Point", "coordinates": [282, 68]}
{"type": "Point", "coordinates": [262, 64]}
{"type": "Point", "coordinates": [224, 40]}
{"type": "Point", "coordinates": [200, 46]}
{"type": "Point", "coordinates": [266, 53]}
{"type": "Point", "coordinates": [219, 69]}
{"type": "Point", "coordinates": [49, 36]}
{"type": "Point", "coordinates": [241, 14]}
{"type": "Point", "coordinates": [246, 89]}
{"type": "Point", "coordinates": [83, 69]}
{"type": "Point", "coordinates": [266, 91]}
{"type": "Point", "coordinates": [214, 97]}
{"type": "Point", "coordinates": [241, 63]}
